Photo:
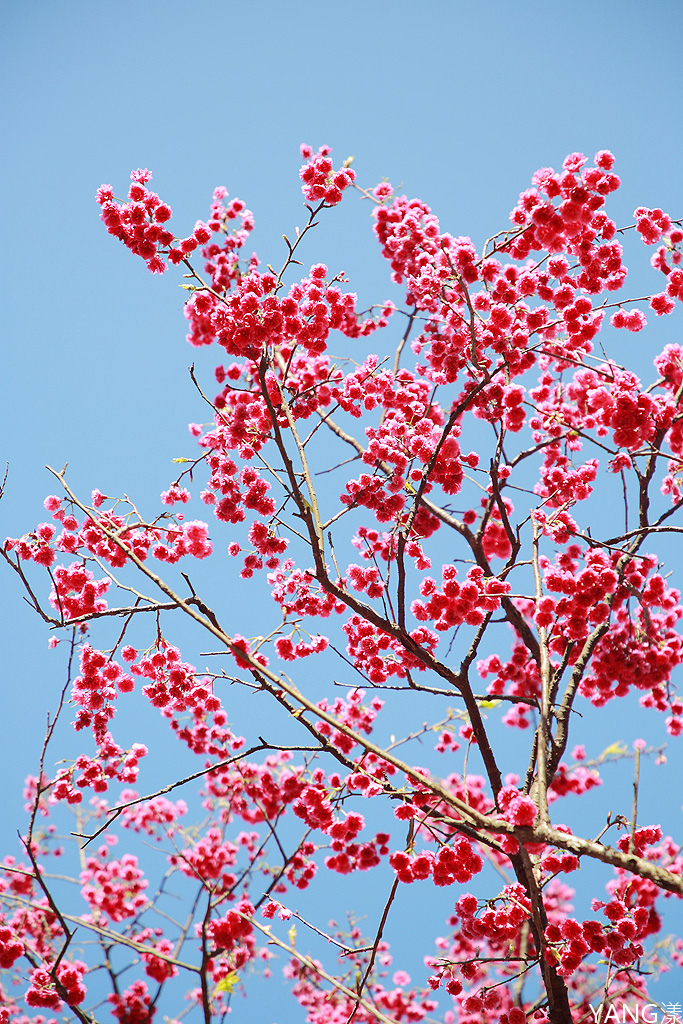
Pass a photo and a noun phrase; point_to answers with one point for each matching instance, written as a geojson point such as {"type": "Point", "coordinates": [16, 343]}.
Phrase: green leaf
{"type": "Point", "coordinates": [615, 748]}
{"type": "Point", "coordinates": [227, 983]}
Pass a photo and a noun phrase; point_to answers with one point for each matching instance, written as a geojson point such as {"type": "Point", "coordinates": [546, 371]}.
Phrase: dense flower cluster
{"type": "Point", "coordinates": [207, 860]}
{"type": "Point", "coordinates": [452, 603]}
{"type": "Point", "coordinates": [114, 887]}
{"type": "Point", "coordinates": [320, 180]}
{"type": "Point", "coordinates": [147, 815]}
{"type": "Point", "coordinates": [139, 224]}
{"type": "Point", "coordinates": [133, 1005]}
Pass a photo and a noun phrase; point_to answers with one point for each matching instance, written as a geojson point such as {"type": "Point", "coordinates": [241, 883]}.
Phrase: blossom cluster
{"type": "Point", "coordinates": [139, 224]}
{"type": "Point", "coordinates": [559, 612]}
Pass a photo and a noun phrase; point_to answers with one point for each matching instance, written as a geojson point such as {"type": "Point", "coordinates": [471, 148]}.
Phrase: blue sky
{"type": "Point", "coordinates": [457, 102]}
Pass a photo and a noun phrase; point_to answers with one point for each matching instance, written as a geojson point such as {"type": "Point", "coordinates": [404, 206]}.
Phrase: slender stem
{"type": "Point", "coordinates": [634, 814]}
{"type": "Point", "coordinates": [543, 731]}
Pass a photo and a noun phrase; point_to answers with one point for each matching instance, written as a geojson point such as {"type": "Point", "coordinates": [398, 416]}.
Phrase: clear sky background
{"type": "Point", "coordinates": [458, 102]}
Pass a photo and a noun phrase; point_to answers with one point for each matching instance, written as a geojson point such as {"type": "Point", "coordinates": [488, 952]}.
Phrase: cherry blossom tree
{"type": "Point", "coordinates": [424, 522]}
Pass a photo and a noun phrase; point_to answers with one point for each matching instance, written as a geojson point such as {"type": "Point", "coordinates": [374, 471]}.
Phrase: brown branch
{"type": "Point", "coordinates": [375, 946]}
